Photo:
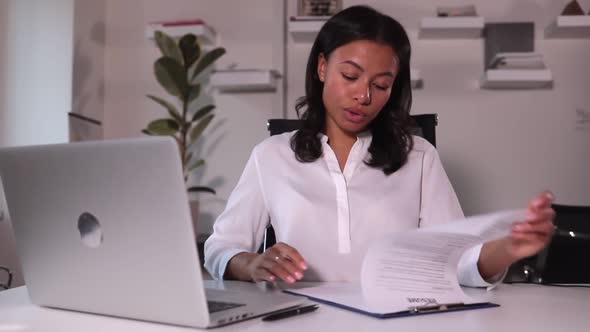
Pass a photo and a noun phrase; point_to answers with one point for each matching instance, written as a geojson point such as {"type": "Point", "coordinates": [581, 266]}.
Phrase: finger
{"type": "Point", "coordinates": [262, 274]}
{"type": "Point", "coordinates": [545, 228]}
{"type": "Point", "coordinates": [528, 238]}
{"type": "Point", "coordinates": [541, 216]}
{"type": "Point", "coordinates": [292, 254]}
{"type": "Point", "coordinates": [278, 270]}
{"type": "Point", "coordinates": [279, 257]}
{"type": "Point", "coordinates": [290, 266]}
{"type": "Point", "coordinates": [541, 201]}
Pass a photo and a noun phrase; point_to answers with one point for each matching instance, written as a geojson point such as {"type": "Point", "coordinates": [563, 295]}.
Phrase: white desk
{"type": "Point", "coordinates": [523, 308]}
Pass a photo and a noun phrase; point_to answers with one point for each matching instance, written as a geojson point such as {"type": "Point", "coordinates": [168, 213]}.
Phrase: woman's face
{"type": "Point", "coordinates": [358, 78]}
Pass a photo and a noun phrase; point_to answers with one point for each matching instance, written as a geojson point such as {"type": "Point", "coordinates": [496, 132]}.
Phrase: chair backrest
{"type": "Point", "coordinates": [5, 278]}
{"type": "Point", "coordinates": [425, 126]}
{"type": "Point", "coordinates": [563, 261]}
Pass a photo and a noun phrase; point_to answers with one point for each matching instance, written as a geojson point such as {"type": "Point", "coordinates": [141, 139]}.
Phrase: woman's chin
{"type": "Point", "coordinates": [353, 127]}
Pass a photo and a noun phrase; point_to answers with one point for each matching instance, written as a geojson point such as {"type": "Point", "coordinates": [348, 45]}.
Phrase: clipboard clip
{"type": "Point", "coordinates": [434, 307]}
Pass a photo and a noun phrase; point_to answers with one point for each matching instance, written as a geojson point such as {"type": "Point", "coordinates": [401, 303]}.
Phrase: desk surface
{"type": "Point", "coordinates": [523, 308]}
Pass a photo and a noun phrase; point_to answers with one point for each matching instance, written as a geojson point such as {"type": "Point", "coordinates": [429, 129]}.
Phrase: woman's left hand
{"type": "Point", "coordinates": [531, 235]}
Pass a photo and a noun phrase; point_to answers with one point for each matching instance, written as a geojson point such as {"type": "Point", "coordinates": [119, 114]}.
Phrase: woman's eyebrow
{"type": "Point", "coordinates": [356, 65]}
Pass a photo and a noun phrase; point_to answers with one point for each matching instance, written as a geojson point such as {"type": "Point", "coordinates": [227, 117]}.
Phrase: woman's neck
{"type": "Point", "coordinates": [341, 143]}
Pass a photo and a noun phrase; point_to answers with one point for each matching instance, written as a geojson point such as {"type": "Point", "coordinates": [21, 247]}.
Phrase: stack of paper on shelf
{"type": "Point", "coordinates": [517, 60]}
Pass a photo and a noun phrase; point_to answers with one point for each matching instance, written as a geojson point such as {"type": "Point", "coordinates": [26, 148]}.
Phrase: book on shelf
{"type": "Point", "coordinates": [308, 18]}
{"type": "Point", "coordinates": [456, 11]}
{"type": "Point", "coordinates": [177, 23]}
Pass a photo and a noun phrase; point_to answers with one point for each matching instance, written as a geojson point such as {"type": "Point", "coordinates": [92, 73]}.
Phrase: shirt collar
{"type": "Point", "coordinates": [364, 137]}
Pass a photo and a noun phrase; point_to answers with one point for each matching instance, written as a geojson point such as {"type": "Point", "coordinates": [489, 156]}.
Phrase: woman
{"type": "Point", "coordinates": [352, 173]}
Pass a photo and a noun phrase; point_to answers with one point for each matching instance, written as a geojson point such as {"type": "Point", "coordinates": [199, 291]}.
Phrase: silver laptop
{"type": "Point", "coordinates": [105, 227]}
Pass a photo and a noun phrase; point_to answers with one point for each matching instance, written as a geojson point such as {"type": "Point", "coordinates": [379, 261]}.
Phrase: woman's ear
{"type": "Point", "coordinates": [322, 63]}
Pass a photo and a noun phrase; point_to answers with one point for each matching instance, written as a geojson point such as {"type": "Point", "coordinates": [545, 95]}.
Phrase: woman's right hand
{"type": "Point", "coordinates": [280, 261]}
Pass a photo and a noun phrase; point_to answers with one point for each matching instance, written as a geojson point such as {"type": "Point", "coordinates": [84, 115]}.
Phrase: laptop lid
{"type": "Point", "coordinates": [104, 227]}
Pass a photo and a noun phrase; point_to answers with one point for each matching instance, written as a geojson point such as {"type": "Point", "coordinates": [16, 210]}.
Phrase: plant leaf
{"type": "Point", "coordinates": [191, 51]}
{"type": "Point", "coordinates": [201, 189]}
{"type": "Point", "coordinates": [196, 165]}
{"type": "Point", "coordinates": [202, 112]}
{"type": "Point", "coordinates": [193, 92]}
{"type": "Point", "coordinates": [207, 60]}
{"type": "Point", "coordinates": [172, 76]}
{"type": "Point", "coordinates": [171, 109]}
{"type": "Point", "coordinates": [200, 127]}
{"type": "Point", "coordinates": [163, 127]}
{"type": "Point", "coordinates": [168, 46]}
{"type": "Point", "coordinates": [188, 157]}
{"type": "Point", "coordinates": [147, 132]}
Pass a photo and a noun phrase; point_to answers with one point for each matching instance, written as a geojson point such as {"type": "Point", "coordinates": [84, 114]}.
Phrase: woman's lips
{"type": "Point", "coordinates": [353, 115]}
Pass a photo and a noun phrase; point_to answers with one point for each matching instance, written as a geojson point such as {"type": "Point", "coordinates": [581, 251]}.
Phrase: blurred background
{"type": "Point", "coordinates": [95, 58]}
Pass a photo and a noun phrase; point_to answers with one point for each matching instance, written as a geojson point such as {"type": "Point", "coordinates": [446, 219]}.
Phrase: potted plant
{"type": "Point", "coordinates": [177, 71]}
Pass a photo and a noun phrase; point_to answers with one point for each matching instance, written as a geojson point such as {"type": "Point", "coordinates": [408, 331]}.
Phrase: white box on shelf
{"type": "Point", "coordinates": [516, 79]}
{"type": "Point", "coordinates": [569, 27]}
{"type": "Point", "coordinates": [416, 78]}
{"type": "Point", "coordinates": [204, 33]}
{"type": "Point", "coordinates": [470, 27]}
{"type": "Point", "coordinates": [305, 30]}
{"type": "Point", "coordinates": [245, 80]}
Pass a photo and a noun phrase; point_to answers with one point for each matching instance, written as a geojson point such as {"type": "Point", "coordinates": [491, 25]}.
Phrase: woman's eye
{"type": "Point", "coordinates": [348, 77]}
{"type": "Point", "coordinates": [381, 87]}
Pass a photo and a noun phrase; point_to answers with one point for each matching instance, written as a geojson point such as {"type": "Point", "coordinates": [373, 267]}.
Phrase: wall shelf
{"type": "Point", "coordinates": [245, 80]}
{"type": "Point", "coordinates": [516, 79]}
{"type": "Point", "coordinates": [204, 32]}
{"type": "Point", "coordinates": [305, 30]}
{"type": "Point", "coordinates": [451, 27]}
{"type": "Point", "coordinates": [569, 27]}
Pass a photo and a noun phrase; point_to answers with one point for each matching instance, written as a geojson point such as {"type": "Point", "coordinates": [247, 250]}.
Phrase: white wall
{"type": "Point", "coordinates": [4, 7]}
{"type": "Point", "coordinates": [37, 62]}
{"type": "Point", "coordinates": [88, 82]}
{"type": "Point", "coordinates": [251, 31]}
{"type": "Point", "coordinates": [499, 147]}
{"type": "Point", "coordinates": [35, 83]}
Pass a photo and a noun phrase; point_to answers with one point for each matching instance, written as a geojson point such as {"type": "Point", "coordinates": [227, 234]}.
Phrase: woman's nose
{"type": "Point", "coordinates": [363, 95]}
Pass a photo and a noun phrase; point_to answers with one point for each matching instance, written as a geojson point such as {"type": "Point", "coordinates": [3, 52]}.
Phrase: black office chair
{"type": "Point", "coordinates": [425, 126]}
{"type": "Point", "coordinates": [5, 278]}
{"type": "Point", "coordinates": [564, 260]}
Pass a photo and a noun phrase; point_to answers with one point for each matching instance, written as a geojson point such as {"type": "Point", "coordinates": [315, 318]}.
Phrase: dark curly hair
{"type": "Point", "coordinates": [392, 138]}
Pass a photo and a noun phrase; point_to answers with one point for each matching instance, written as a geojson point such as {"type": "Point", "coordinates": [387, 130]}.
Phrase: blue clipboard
{"type": "Point", "coordinates": [411, 312]}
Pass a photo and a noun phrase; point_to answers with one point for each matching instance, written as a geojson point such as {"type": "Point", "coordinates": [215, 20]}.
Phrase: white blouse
{"type": "Point", "coordinates": [331, 216]}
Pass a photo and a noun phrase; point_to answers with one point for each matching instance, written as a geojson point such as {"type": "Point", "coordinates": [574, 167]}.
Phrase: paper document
{"type": "Point", "coordinates": [416, 268]}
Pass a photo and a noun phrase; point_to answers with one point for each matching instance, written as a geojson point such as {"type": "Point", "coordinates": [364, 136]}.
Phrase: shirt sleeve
{"type": "Point", "coordinates": [439, 204]}
{"type": "Point", "coordinates": [240, 227]}
{"type": "Point", "coordinates": [468, 273]}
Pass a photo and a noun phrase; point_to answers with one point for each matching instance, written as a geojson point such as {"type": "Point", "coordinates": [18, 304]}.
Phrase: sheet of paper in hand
{"type": "Point", "coordinates": [415, 272]}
